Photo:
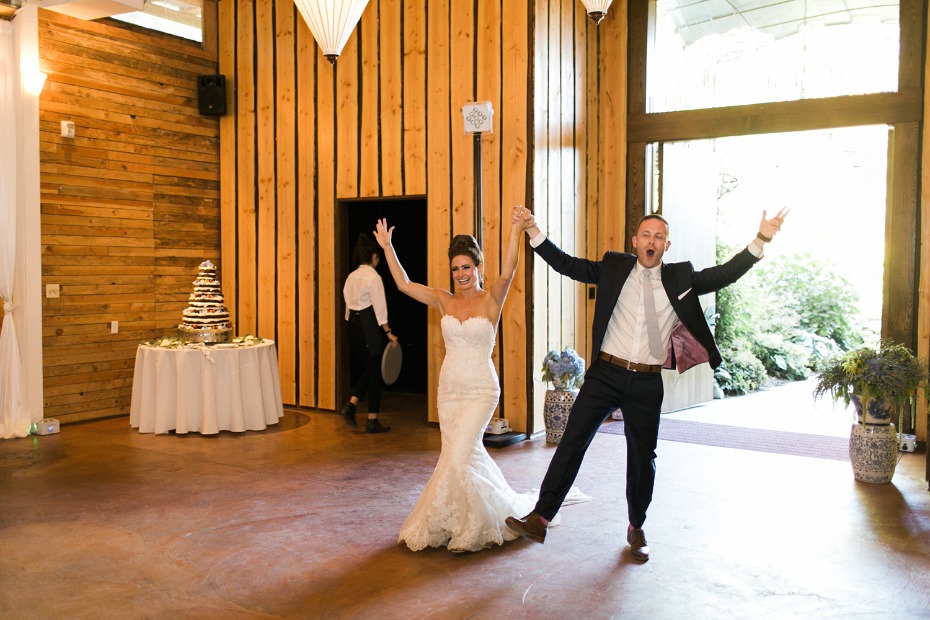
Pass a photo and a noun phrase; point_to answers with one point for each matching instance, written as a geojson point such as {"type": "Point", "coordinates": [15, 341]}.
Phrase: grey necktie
{"type": "Point", "coordinates": [652, 319]}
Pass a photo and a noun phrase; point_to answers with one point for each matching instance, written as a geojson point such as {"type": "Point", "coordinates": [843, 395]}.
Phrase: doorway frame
{"type": "Point", "coordinates": [342, 267]}
{"type": "Point", "coordinates": [901, 111]}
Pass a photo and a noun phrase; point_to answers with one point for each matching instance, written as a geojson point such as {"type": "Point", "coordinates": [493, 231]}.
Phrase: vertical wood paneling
{"type": "Point", "coordinates": [567, 154]}
{"type": "Point", "coordinates": [898, 310]}
{"type": "Point", "coordinates": [512, 123]}
{"type": "Point", "coordinates": [266, 154]}
{"type": "Point", "coordinates": [347, 119]}
{"type": "Point", "coordinates": [246, 262]}
{"type": "Point", "coordinates": [386, 121]}
{"type": "Point", "coordinates": [228, 203]}
{"type": "Point", "coordinates": [286, 205]}
{"type": "Point", "coordinates": [583, 209]}
{"type": "Point", "coordinates": [557, 284]}
{"type": "Point", "coordinates": [391, 56]}
{"type": "Point", "coordinates": [539, 156]}
{"type": "Point", "coordinates": [327, 287]}
{"type": "Point", "coordinates": [461, 91]}
{"type": "Point", "coordinates": [591, 199]}
{"type": "Point", "coordinates": [923, 287]}
{"type": "Point", "coordinates": [306, 211]}
{"type": "Point", "coordinates": [488, 74]}
{"type": "Point", "coordinates": [612, 107]}
{"type": "Point", "coordinates": [414, 98]}
{"type": "Point", "coordinates": [369, 153]}
{"type": "Point", "coordinates": [438, 175]}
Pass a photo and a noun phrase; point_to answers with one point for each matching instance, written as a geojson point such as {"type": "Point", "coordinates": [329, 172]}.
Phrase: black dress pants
{"type": "Point", "coordinates": [605, 388]}
{"type": "Point", "coordinates": [367, 346]}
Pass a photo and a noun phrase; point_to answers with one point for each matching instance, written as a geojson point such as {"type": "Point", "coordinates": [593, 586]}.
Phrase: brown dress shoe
{"type": "Point", "coordinates": [638, 547]}
{"type": "Point", "coordinates": [530, 526]}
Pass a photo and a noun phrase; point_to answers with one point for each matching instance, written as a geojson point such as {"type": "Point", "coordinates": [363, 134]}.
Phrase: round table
{"type": "Point", "coordinates": [206, 389]}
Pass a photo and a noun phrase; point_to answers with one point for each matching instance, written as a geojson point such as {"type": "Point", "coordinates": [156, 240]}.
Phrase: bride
{"type": "Point", "coordinates": [466, 501]}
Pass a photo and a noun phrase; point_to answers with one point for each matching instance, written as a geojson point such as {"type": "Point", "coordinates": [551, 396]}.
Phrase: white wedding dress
{"type": "Point", "coordinates": [465, 502]}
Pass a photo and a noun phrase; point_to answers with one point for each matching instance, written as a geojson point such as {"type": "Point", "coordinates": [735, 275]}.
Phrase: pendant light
{"type": "Point", "coordinates": [331, 22]}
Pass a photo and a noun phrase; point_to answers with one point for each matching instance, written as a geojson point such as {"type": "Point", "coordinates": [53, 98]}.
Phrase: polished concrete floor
{"type": "Point", "coordinates": [300, 521]}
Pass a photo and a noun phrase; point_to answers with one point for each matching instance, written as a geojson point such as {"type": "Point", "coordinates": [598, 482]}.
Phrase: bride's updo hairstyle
{"type": "Point", "coordinates": [466, 245]}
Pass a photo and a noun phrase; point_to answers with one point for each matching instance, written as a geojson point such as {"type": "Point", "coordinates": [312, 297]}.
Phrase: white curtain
{"type": "Point", "coordinates": [14, 417]}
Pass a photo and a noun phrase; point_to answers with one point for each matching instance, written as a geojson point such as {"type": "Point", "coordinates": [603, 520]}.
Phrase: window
{"type": "Point", "coordinates": [713, 54]}
{"type": "Point", "coordinates": [181, 18]}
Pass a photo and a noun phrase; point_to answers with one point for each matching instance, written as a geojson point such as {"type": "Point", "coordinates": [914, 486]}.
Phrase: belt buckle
{"type": "Point", "coordinates": [628, 365]}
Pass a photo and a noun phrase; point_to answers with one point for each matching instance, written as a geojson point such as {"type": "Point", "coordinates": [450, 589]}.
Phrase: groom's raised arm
{"type": "Point", "coordinates": [579, 269]}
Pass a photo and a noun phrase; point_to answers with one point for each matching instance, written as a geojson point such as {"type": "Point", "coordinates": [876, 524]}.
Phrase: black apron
{"type": "Point", "coordinates": [374, 335]}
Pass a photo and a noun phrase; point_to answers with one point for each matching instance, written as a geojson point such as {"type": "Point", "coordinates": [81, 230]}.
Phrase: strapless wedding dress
{"type": "Point", "coordinates": [466, 500]}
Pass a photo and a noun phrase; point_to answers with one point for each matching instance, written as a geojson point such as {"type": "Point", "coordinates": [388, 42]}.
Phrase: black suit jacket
{"type": "Point", "coordinates": [682, 284]}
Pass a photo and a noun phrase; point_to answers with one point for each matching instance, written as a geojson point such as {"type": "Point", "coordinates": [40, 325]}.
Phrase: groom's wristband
{"type": "Point", "coordinates": [763, 237]}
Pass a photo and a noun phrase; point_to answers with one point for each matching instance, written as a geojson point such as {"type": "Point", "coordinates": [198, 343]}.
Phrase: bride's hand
{"type": "Point", "coordinates": [522, 217]}
{"type": "Point", "coordinates": [383, 234]}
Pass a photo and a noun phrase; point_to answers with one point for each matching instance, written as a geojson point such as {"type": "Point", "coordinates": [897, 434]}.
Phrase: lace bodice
{"type": "Point", "coordinates": [467, 366]}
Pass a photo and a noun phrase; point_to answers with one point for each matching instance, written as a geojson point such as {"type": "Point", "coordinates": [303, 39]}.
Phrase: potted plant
{"type": "Point", "coordinates": [881, 383]}
{"type": "Point", "coordinates": [565, 371]}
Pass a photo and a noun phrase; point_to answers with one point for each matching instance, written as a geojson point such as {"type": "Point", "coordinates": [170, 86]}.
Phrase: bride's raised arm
{"type": "Point", "coordinates": [421, 293]}
{"type": "Point", "coordinates": [511, 257]}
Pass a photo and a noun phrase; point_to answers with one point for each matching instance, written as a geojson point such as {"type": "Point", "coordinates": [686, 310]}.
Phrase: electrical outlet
{"type": "Point", "coordinates": [52, 291]}
{"type": "Point", "coordinates": [114, 327]}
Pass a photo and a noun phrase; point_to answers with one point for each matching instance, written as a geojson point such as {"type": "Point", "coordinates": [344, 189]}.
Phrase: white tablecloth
{"type": "Point", "coordinates": [205, 389]}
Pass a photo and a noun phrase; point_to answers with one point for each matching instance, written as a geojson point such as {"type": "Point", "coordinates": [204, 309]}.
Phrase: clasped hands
{"type": "Point", "coordinates": [522, 217]}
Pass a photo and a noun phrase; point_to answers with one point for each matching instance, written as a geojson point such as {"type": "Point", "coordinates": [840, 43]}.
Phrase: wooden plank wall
{"type": "Point", "coordinates": [385, 121]}
{"type": "Point", "coordinates": [579, 160]}
{"type": "Point", "coordinates": [130, 206]}
{"type": "Point", "coordinates": [923, 260]}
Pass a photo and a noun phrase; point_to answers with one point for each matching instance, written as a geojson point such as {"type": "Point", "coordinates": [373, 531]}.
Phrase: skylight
{"type": "Point", "coordinates": [181, 18]}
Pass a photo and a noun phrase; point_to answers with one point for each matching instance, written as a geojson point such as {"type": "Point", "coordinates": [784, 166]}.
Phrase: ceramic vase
{"type": "Point", "coordinates": [873, 452]}
{"type": "Point", "coordinates": [556, 407]}
{"type": "Point", "coordinates": [879, 412]}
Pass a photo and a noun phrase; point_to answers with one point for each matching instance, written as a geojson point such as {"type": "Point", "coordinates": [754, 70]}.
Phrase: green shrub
{"type": "Point", "coordinates": [824, 301]}
{"type": "Point", "coordinates": [786, 317]}
{"type": "Point", "coordinates": [741, 372]}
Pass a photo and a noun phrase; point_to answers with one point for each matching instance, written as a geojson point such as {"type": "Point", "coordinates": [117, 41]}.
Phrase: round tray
{"type": "Point", "coordinates": [192, 334]}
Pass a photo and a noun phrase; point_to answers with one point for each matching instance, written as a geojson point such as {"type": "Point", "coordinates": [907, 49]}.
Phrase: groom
{"type": "Point", "coordinates": [647, 316]}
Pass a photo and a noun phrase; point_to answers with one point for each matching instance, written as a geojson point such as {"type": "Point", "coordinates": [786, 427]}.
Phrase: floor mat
{"type": "Point", "coordinates": [756, 439]}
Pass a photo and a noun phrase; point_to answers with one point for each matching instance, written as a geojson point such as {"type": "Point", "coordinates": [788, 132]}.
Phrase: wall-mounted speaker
{"type": "Point", "coordinates": [211, 94]}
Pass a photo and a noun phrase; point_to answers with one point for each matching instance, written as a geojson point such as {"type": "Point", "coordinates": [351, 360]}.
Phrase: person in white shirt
{"type": "Point", "coordinates": [366, 312]}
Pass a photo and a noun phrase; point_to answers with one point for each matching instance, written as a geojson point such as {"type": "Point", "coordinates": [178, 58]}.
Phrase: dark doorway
{"type": "Point", "coordinates": [407, 317]}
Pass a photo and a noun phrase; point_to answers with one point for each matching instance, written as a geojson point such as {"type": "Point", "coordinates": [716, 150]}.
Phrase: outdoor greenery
{"type": "Point", "coordinates": [783, 320]}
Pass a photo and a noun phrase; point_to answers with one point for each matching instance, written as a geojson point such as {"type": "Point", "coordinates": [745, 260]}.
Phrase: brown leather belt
{"type": "Point", "coordinates": [622, 363]}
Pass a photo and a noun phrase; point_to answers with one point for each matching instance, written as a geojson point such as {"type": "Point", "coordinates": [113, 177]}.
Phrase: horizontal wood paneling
{"type": "Point", "coordinates": [130, 206]}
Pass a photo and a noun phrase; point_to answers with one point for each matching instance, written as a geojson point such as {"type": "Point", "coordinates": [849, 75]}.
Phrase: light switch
{"type": "Point", "coordinates": [52, 291]}
{"type": "Point", "coordinates": [67, 129]}
{"type": "Point", "coordinates": [114, 327]}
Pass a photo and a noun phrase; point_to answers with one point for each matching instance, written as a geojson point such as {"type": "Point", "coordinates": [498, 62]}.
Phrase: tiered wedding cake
{"type": "Point", "coordinates": [206, 319]}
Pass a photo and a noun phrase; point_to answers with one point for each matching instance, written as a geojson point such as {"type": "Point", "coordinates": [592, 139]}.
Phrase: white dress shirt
{"type": "Point", "coordinates": [626, 336]}
{"type": "Point", "coordinates": [364, 288]}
